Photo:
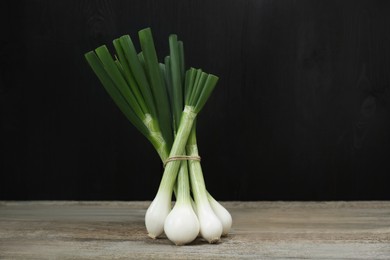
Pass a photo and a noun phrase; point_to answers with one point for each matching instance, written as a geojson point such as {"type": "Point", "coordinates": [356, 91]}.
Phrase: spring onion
{"type": "Point", "coordinates": [162, 100]}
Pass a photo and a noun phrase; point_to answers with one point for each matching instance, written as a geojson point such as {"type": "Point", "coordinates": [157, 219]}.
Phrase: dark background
{"type": "Point", "coordinates": [301, 111]}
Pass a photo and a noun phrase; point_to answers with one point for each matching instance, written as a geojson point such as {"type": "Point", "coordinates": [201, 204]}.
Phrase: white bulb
{"type": "Point", "coordinates": [222, 214]}
{"type": "Point", "coordinates": [210, 225]}
{"type": "Point", "coordinates": [181, 225]}
{"type": "Point", "coordinates": [156, 214]}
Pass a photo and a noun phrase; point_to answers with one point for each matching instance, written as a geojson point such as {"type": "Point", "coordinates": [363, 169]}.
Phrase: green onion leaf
{"type": "Point", "coordinates": [129, 77]}
{"type": "Point", "coordinates": [114, 93]}
{"type": "Point", "coordinates": [116, 76]}
{"type": "Point", "coordinates": [137, 70]}
{"type": "Point", "coordinates": [157, 83]}
{"type": "Point", "coordinates": [175, 69]}
{"type": "Point", "coordinates": [208, 88]}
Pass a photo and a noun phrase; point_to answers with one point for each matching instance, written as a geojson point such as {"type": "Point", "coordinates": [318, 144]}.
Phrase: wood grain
{"type": "Point", "coordinates": [271, 230]}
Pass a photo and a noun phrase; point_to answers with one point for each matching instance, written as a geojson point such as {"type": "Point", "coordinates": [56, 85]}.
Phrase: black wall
{"type": "Point", "coordinates": [301, 111]}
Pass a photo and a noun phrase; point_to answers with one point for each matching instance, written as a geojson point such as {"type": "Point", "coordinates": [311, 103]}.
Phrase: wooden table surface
{"type": "Point", "coordinates": [261, 230]}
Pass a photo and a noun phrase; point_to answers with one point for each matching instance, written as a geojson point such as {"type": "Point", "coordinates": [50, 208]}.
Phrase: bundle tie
{"type": "Point", "coordinates": [182, 158]}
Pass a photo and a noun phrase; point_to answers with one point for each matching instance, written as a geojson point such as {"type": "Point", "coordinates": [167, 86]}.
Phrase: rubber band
{"type": "Point", "coordinates": [181, 158]}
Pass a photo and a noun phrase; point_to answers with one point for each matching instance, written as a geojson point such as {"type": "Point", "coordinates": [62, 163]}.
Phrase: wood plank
{"type": "Point", "coordinates": [275, 230]}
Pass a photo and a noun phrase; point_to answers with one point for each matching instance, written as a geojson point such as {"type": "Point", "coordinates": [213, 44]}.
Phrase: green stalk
{"type": "Point", "coordinates": [183, 185]}
{"type": "Point", "coordinates": [178, 148]}
{"type": "Point", "coordinates": [117, 78]}
{"type": "Point", "coordinates": [175, 78]}
{"type": "Point", "coordinates": [112, 75]}
{"type": "Point", "coordinates": [156, 137]}
{"type": "Point", "coordinates": [157, 83]}
{"type": "Point", "coordinates": [115, 94]}
{"type": "Point", "coordinates": [182, 59]}
{"type": "Point", "coordinates": [196, 175]}
{"type": "Point", "coordinates": [136, 69]}
{"type": "Point", "coordinates": [128, 75]}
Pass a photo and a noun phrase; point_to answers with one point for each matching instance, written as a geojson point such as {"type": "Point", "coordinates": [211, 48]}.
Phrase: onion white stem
{"type": "Point", "coordinates": [210, 226]}
{"type": "Point", "coordinates": [157, 211]}
{"type": "Point", "coordinates": [181, 225]}
{"type": "Point", "coordinates": [222, 214]}
{"type": "Point", "coordinates": [156, 214]}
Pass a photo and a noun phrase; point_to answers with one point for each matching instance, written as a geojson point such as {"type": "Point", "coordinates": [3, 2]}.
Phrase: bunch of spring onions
{"type": "Point", "coordinates": [162, 100]}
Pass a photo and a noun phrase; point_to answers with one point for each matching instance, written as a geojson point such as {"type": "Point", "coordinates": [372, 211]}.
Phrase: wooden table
{"type": "Point", "coordinates": [270, 230]}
